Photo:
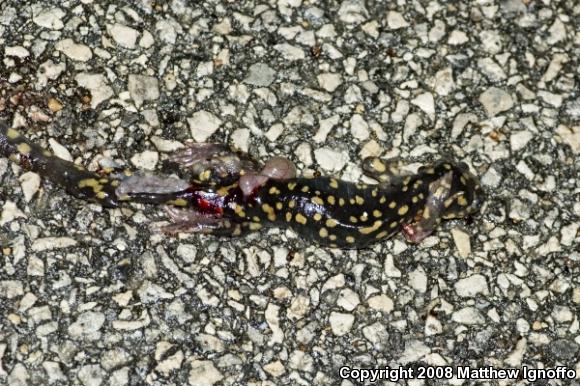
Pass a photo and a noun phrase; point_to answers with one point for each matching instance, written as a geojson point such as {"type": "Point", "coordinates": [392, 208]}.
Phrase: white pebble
{"type": "Point", "coordinates": [123, 35]}
{"type": "Point", "coordinates": [329, 81]}
{"type": "Point", "coordinates": [203, 124]}
{"type": "Point", "coordinates": [471, 286]}
{"type": "Point", "coordinates": [74, 51]}
{"type": "Point", "coordinates": [395, 20]}
{"type": "Point", "coordinates": [495, 101]}
{"type": "Point", "coordinates": [340, 323]}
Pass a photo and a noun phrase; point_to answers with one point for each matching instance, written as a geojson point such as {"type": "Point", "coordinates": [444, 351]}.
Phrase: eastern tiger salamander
{"type": "Point", "coordinates": [229, 194]}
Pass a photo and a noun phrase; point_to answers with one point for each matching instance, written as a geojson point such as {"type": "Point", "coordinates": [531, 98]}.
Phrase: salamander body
{"type": "Point", "coordinates": [229, 194]}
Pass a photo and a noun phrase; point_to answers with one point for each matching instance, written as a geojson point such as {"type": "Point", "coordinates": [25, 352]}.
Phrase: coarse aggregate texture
{"type": "Point", "coordinates": [94, 296]}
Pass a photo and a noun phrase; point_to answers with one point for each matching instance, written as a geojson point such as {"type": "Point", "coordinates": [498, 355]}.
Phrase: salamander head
{"type": "Point", "coordinates": [462, 193]}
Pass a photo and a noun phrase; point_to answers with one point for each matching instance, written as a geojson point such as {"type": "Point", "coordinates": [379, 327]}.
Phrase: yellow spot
{"type": "Point", "coordinates": [256, 219]}
{"type": "Point", "coordinates": [430, 171]}
{"type": "Point", "coordinates": [323, 232]}
{"type": "Point", "coordinates": [351, 201]}
{"type": "Point", "coordinates": [292, 203]}
{"type": "Point", "coordinates": [332, 237]}
{"type": "Point", "coordinates": [255, 226]}
{"type": "Point", "coordinates": [301, 219]}
{"type": "Point", "coordinates": [305, 188]}
{"type": "Point", "coordinates": [463, 179]}
{"type": "Point", "coordinates": [374, 227]}
{"type": "Point", "coordinates": [405, 188]}
{"type": "Point", "coordinates": [177, 202]}
{"type": "Point", "coordinates": [377, 213]}
{"type": "Point", "coordinates": [378, 165]}
{"type": "Point", "coordinates": [279, 206]}
{"type": "Point", "coordinates": [23, 148]}
{"type": "Point", "coordinates": [383, 200]}
{"type": "Point", "coordinates": [394, 224]}
{"type": "Point", "coordinates": [341, 201]}
{"type": "Point", "coordinates": [421, 196]}
{"type": "Point", "coordinates": [291, 185]}
{"type": "Point", "coordinates": [331, 223]}
{"type": "Point", "coordinates": [288, 216]}
{"type": "Point", "coordinates": [402, 210]}
{"type": "Point", "coordinates": [359, 200]}
{"type": "Point", "coordinates": [317, 200]}
{"type": "Point", "coordinates": [46, 153]}
{"type": "Point", "coordinates": [417, 184]}
{"type": "Point", "coordinates": [353, 219]}
{"type": "Point", "coordinates": [274, 190]}
{"type": "Point", "coordinates": [462, 201]}
{"type": "Point", "coordinates": [239, 211]}
{"type": "Point", "coordinates": [317, 216]}
{"type": "Point", "coordinates": [374, 192]}
{"type": "Point", "coordinates": [269, 211]}
{"type": "Point", "coordinates": [333, 183]}
{"type": "Point", "coordinates": [426, 213]}
{"type": "Point", "coordinates": [392, 204]}
{"type": "Point", "coordinates": [114, 183]}
{"type": "Point", "coordinates": [350, 239]}
{"type": "Point", "coordinates": [12, 134]}
{"type": "Point", "coordinates": [88, 182]}
{"type": "Point", "coordinates": [448, 202]}
{"type": "Point", "coordinates": [415, 199]}
{"type": "Point", "coordinates": [364, 217]}
{"type": "Point", "coordinates": [204, 176]}
{"type": "Point", "coordinates": [381, 234]}
{"type": "Point", "coordinates": [103, 180]}
{"type": "Point", "coordinates": [101, 195]}
{"type": "Point", "coordinates": [331, 200]}
{"type": "Point", "coordinates": [447, 166]}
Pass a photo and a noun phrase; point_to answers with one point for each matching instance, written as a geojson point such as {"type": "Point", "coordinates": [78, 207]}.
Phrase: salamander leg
{"type": "Point", "coordinates": [387, 172]}
{"type": "Point", "coordinates": [214, 164]}
{"type": "Point", "coordinates": [189, 221]}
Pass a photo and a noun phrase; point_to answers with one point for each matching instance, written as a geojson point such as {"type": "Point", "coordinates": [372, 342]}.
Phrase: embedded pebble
{"type": "Point", "coordinates": [468, 316]}
{"type": "Point", "coordinates": [348, 299]}
{"type": "Point", "coordinates": [495, 101]}
{"type": "Point", "coordinates": [471, 286]}
{"type": "Point", "coordinates": [97, 85]}
{"type": "Point", "coordinates": [87, 323]}
{"type": "Point", "coordinates": [462, 242]}
{"type": "Point", "coordinates": [340, 323]}
{"type": "Point", "coordinates": [426, 103]}
{"type": "Point", "coordinates": [11, 288]}
{"type": "Point", "coordinates": [260, 75]}
{"type": "Point", "coordinates": [395, 20]}
{"type": "Point", "coordinates": [358, 127]}
{"type": "Point", "coordinates": [381, 303]}
{"type": "Point", "coordinates": [241, 139]}
{"type": "Point", "coordinates": [290, 52]}
{"type": "Point", "coordinates": [352, 11]}
{"type": "Point", "coordinates": [74, 51]}
{"type": "Point", "coordinates": [10, 212]}
{"type": "Point", "coordinates": [329, 81]}
{"type": "Point", "coordinates": [50, 18]}
{"type": "Point", "coordinates": [330, 159]}
{"type": "Point", "coordinates": [204, 373]}
{"type": "Point", "coordinates": [50, 243]}
{"type": "Point", "coordinates": [203, 124]}
{"type": "Point", "coordinates": [143, 88]}
{"type": "Point", "coordinates": [520, 139]}
{"type": "Point", "coordinates": [146, 160]}
{"type": "Point", "coordinates": [123, 35]}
